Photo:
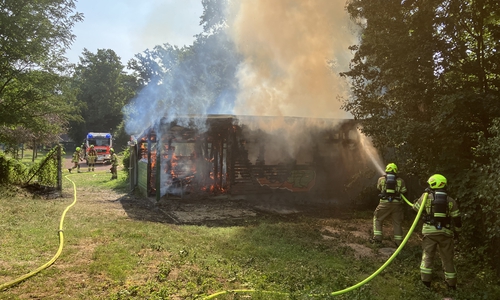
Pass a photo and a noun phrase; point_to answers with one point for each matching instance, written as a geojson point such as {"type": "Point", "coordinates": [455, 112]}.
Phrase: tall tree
{"type": "Point", "coordinates": [425, 82]}
{"type": "Point", "coordinates": [33, 38]}
{"type": "Point", "coordinates": [103, 89]}
{"type": "Point", "coordinates": [198, 79]}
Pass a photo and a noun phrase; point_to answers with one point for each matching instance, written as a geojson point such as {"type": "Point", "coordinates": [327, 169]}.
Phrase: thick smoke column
{"type": "Point", "coordinates": [293, 51]}
{"type": "Point", "coordinates": [289, 55]}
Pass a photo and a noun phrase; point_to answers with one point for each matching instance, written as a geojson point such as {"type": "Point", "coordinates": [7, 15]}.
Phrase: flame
{"type": "Point", "coordinates": [185, 167]}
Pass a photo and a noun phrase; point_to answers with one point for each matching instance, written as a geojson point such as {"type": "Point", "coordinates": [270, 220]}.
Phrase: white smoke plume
{"type": "Point", "coordinates": [293, 52]}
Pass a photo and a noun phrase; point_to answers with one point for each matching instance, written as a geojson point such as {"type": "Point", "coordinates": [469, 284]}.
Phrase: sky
{"type": "Point", "coordinates": [129, 27]}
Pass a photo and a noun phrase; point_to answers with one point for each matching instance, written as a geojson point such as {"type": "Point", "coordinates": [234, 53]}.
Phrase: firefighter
{"type": "Point", "coordinates": [77, 157]}
{"type": "Point", "coordinates": [442, 223]}
{"type": "Point", "coordinates": [83, 150]}
{"type": "Point", "coordinates": [391, 188]}
{"type": "Point", "coordinates": [91, 158]}
{"type": "Point", "coordinates": [114, 164]}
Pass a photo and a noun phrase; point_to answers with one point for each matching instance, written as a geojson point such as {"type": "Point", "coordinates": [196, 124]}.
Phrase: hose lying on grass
{"type": "Point", "coordinates": [359, 284]}
{"type": "Point", "coordinates": [56, 256]}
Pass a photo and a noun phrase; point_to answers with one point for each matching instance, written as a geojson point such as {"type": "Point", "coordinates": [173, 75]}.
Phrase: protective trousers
{"type": "Point", "coordinates": [430, 244]}
{"type": "Point", "coordinates": [91, 161]}
{"type": "Point", "coordinates": [114, 173]}
{"type": "Point", "coordinates": [383, 211]}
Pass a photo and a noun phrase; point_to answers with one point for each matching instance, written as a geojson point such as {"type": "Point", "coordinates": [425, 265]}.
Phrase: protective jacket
{"type": "Point", "coordinates": [114, 160]}
{"type": "Point", "coordinates": [452, 215]}
{"type": "Point", "coordinates": [92, 155]}
{"type": "Point", "coordinates": [76, 157]}
{"type": "Point", "coordinates": [391, 193]}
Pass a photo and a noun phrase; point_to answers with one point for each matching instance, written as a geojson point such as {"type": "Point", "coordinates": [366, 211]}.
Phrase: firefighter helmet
{"type": "Point", "coordinates": [78, 149]}
{"type": "Point", "coordinates": [391, 168]}
{"type": "Point", "coordinates": [91, 146]}
{"type": "Point", "coordinates": [111, 150]}
{"type": "Point", "coordinates": [437, 181]}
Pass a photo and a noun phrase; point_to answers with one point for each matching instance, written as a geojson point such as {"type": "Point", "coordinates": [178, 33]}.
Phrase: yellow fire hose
{"type": "Point", "coordinates": [359, 284]}
{"type": "Point", "coordinates": [50, 262]}
{"type": "Point", "coordinates": [406, 200]}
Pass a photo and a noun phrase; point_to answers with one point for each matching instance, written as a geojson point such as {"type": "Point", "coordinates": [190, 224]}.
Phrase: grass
{"type": "Point", "coordinates": [117, 249]}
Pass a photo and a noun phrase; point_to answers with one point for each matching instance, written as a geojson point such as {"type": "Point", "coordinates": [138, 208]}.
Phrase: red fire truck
{"type": "Point", "coordinates": [102, 142]}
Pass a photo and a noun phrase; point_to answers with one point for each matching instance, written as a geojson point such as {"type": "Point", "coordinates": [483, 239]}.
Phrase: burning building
{"type": "Point", "coordinates": [242, 157]}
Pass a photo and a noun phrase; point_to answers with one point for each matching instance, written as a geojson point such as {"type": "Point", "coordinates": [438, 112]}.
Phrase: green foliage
{"type": "Point", "coordinates": [120, 137]}
{"type": "Point", "coordinates": [182, 81]}
{"type": "Point", "coordinates": [13, 171]}
{"type": "Point", "coordinates": [46, 170]}
{"type": "Point", "coordinates": [16, 172]}
{"type": "Point", "coordinates": [34, 35]}
{"type": "Point", "coordinates": [482, 202]}
{"type": "Point", "coordinates": [126, 159]}
{"type": "Point", "coordinates": [425, 85]}
{"type": "Point", "coordinates": [103, 89]}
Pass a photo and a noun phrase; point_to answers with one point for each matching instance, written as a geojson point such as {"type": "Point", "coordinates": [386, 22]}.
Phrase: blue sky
{"type": "Point", "coordinates": [129, 27]}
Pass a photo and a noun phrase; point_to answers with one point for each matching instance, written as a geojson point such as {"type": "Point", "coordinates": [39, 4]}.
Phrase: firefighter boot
{"type": "Point", "coordinates": [69, 170]}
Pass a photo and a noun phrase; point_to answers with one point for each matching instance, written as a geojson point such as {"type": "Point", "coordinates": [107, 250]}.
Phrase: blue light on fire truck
{"type": "Point", "coordinates": [108, 135]}
{"type": "Point", "coordinates": [89, 136]}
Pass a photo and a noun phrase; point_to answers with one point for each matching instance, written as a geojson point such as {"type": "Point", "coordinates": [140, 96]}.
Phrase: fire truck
{"type": "Point", "coordinates": [102, 142]}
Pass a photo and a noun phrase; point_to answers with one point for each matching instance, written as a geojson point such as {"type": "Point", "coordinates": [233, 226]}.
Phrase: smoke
{"type": "Point", "coordinates": [293, 52]}
{"type": "Point", "coordinates": [289, 54]}
{"type": "Point", "coordinates": [371, 152]}
{"type": "Point", "coordinates": [280, 61]}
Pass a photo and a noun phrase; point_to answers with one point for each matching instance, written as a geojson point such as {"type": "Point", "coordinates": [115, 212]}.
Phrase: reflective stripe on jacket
{"type": "Point", "coordinates": [400, 187]}
{"type": "Point", "coordinates": [453, 212]}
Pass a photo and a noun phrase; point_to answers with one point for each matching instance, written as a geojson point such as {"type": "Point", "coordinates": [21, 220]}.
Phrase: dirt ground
{"type": "Point", "coordinates": [221, 211]}
{"type": "Point", "coordinates": [83, 166]}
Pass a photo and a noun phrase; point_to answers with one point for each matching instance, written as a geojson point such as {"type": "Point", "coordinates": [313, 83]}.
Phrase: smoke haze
{"type": "Point", "coordinates": [293, 51]}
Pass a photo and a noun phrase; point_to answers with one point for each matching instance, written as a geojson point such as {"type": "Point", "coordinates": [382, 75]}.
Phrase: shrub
{"type": "Point", "coordinates": [126, 159]}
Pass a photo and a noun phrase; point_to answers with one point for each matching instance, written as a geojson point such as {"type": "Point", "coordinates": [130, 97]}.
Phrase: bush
{"type": "Point", "coordinates": [126, 159]}
{"type": "Point", "coordinates": [18, 172]}
{"type": "Point", "coordinates": [13, 171]}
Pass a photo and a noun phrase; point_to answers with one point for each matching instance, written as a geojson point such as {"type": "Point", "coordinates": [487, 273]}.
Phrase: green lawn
{"type": "Point", "coordinates": [116, 248]}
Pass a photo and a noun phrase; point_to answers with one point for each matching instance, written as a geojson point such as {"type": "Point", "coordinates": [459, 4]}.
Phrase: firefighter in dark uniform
{"type": "Point", "coordinates": [114, 164]}
{"type": "Point", "coordinates": [390, 204]}
{"type": "Point", "coordinates": [91, 158]}
{"type": "Point", "coordinates": [442, 222]}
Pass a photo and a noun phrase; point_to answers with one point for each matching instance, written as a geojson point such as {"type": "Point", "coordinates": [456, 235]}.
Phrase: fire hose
{"type": "Point", "coordinates": [359, 284]}
{"type": "Point", "coordinates": [56, 256]}
{"type": "Point", "coordinates": [406, 200]}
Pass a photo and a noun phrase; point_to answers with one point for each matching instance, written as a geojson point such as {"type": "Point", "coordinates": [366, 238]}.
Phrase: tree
{"type": "Point", "coordinates": [34, 36]}
{"type": "Point", "coordinates": [198, 79]}
{"type": "Point", "coordinates": [103, 89]}
{"type": "Point", "coordinates": [425, 82]}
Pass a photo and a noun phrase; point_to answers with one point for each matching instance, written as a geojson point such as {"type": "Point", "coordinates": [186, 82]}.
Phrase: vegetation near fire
{"type": "Point", "coordinates": [423, 83]}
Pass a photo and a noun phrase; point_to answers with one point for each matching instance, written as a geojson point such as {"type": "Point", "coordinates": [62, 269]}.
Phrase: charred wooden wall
{"type": "Point", "coordinates": [228, 158]}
